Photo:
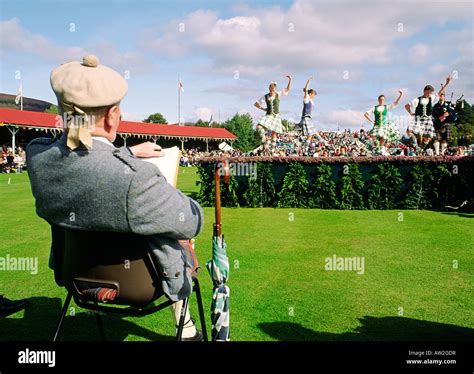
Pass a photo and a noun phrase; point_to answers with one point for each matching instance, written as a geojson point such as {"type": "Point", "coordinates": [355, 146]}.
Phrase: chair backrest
{"type": "Point", "coordinates": [90, 259]}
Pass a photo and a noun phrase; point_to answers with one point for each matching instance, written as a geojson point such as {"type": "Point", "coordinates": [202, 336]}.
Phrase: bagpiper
{"type": "Point", "coordinates": [443, 116]}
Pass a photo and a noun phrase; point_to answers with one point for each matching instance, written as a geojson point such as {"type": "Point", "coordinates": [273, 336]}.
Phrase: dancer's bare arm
{"type": "Point", "coordinates": [306, 87]}
{"type": "Point", "coordinates": [366, 115]}
{"type": "Point", "coordinates": [448, 80]}
{"type": "Point", "coordinates": [400, 94]}
{"type": "Point", "coordinates": [257, 105]}
{"type": "Point", "coordinates": [288, 87]}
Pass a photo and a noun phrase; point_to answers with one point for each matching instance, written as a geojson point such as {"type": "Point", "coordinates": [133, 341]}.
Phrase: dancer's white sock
{"type": "Point", "coordinates": [443, 147]}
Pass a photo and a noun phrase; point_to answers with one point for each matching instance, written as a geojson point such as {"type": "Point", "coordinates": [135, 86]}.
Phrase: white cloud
{"type": "Point", "coordinates": [16, 38]}
{"type": "Point", "coordinates": [304, 36]}
{"type": "Point", "coordinates": [440, 69]}
{"type": "Point", "coordinates": [203, 113]}
{"type": "Point", "coordinates": [343, 118]}
{"type": "Point", "coordinates": [418, 54]}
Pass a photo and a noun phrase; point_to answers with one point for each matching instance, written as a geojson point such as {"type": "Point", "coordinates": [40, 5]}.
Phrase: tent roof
{"type": "Point", "coordinates": [28, 119]}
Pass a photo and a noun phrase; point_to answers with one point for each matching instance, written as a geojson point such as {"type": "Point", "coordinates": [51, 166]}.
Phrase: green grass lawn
{"type": "Point", "coordinates": [280, 289]}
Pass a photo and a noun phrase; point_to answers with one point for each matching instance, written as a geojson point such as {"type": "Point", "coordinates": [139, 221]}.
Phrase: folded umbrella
{"type": "Point", "coordinates": [218, 267]}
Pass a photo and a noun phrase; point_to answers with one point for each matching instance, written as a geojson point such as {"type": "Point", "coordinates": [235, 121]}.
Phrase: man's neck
{"type": "Point", "coordinates": [102, 139]}
{"type": "Point", "coordinates": [103, 134]}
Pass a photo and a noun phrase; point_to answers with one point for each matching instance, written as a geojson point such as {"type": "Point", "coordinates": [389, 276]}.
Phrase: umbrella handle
{"type": "Point", "coordinates": [222, 167]}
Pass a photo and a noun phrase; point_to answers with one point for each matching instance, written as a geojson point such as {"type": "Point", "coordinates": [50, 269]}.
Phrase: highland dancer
{"type": "Point", "coordinates": [270, 103]}
{"type": "Point", "coordinates": [422, 121]}
{"type": "Point", "coordinates": [384, 131]}
{"type": "Point", "coordinates": [306, 125]}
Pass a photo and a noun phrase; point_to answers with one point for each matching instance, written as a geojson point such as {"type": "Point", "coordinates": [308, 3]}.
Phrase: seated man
{"type": "Point", "coordinates": [409, 140]}
{"type": "Point", "coordinates": [81, 181]}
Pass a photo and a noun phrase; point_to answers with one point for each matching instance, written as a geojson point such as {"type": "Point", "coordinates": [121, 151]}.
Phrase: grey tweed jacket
{"type": "Point", "coordinates": [108, 189]}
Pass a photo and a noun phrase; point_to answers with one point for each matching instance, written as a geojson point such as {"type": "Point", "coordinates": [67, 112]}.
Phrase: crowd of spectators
{"type": "Point", "coordinates": [192, 156]}
{"type": "Point", "coordinates": [12, 162]}
{"type": "Point", "coordinates": [347, 143]}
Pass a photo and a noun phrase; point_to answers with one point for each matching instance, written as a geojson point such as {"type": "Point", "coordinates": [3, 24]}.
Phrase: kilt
{"type": "Point", "coordinates": [422, 126]}
{"type": "Point", "coordinates": [306, 126]}
{"type": "Point", "coordinates": [272, 122]}
{"type": "Point", "coordinates": [386, 131]}
{"type": "Point", "coordinates": [444, 131]}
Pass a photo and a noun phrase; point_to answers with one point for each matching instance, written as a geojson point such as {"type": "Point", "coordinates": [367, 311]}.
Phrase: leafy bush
{"type": "Point", "coordinates": [418, 194]}
{"type": "Point", "coordinates": [432, 183]}
{"type": "Point", "coordinates": [261, 190]}
{"type": "Point", "coordinates": [323, 189]}
{"type": "Point", "coordinates": [294, 192]}
{"type": "Point", "coordinates": [229, 196]}
{"type": "Point", "coordinates": [384, 187]}
{"type": "Point", "coordinates": [206, 194]}
{"type": "Point", "coordinates": [351, 188]}
{"type": "Point", "coordinates": [440, 188]}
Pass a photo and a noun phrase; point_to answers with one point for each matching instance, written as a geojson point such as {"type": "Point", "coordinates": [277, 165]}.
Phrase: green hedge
{"type": "Point", "coordinates": [384, 183]}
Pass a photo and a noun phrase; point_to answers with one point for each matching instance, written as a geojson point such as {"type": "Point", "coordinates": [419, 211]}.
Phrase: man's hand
{"type": "Point", "coordinates": [147, 149]}
{"type": "Point", "coordinates": [443, 117]}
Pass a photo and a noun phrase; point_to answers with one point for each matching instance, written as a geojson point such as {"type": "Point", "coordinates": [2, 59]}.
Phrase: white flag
{"type": "Point", "coordinates": [180, 85]}
{"type": "Point", "coordinates": [20, 94]}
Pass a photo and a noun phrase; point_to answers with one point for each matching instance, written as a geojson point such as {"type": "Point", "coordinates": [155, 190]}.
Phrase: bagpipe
{"type": "Point", "coordinates": [448, 106]}
{"type": "Point", "coordinates": [452, 106]}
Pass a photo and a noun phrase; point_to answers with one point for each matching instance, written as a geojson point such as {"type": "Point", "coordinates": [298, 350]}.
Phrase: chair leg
{"type": "Point", "coordinates": [100, 325]}
{"type": "Point", "coordinates": [179, 333]}
{"type": "Point", "coordinates": [61, 316]}
{"type": "Point", "coordinates": [202, 318]}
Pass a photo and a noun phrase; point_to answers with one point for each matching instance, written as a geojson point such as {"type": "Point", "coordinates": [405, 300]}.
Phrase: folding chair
{"type": "Point", "coordinates": [111, 262]}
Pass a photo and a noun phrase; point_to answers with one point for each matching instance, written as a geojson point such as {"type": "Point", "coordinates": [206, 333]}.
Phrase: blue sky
{"type": "Point", "coordinates": [226, 53]}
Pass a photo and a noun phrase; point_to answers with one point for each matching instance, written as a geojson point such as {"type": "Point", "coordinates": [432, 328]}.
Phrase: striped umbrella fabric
{"type": "Point", "coordinates": [218, 269]}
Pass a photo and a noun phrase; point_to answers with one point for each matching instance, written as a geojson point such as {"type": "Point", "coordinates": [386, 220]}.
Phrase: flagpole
{"type": "Point", "coordinates": [179, 101]}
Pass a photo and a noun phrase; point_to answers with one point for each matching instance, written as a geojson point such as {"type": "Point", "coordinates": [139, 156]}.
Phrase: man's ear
{"type": "Point", "coordinates": [112, 118]}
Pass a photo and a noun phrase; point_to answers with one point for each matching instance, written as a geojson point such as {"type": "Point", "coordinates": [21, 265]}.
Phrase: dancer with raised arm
{"type": "Point", "coordinates": [384, 130]}
{"type": "Point", "coordinates": [270, 104]}
{"type": "Point", "coordinates": [306, 125]}
{"type": "Point", "coordinates": [422, 119]}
